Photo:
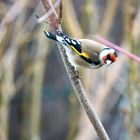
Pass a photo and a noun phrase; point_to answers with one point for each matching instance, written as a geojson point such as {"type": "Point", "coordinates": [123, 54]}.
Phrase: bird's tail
{"type": "Point", "coordinates": [55, 37]}
{"type": "Point", "coordinates": [50, 35]}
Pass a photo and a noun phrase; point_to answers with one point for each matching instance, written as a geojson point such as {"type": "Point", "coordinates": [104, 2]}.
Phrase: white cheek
{"type": "Point", "coordinates": [102, 54]}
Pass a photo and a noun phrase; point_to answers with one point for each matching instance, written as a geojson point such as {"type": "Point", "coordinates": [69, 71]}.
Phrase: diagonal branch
{"type": "Point", "coordinates": [51, 10]}
{"type": "Point", "coordinates": [75, 81]}
{"type": "Point", "coordinates": [118, 48]}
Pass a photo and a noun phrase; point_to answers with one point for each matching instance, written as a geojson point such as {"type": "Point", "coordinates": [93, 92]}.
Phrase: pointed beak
{"type": "Point", "coordinates": [108, 62]}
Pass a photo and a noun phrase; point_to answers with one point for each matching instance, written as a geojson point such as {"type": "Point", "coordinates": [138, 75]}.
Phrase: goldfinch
{"type": "Point", "coordinates": [84, 52]}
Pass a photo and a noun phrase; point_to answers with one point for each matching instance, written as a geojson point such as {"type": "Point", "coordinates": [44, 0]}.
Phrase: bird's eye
{"type": "Point", "coordinates": [108, 57]}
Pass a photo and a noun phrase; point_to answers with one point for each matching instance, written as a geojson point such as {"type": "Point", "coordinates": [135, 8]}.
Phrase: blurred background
{"type": "Point", "coordinates": [37, 101]}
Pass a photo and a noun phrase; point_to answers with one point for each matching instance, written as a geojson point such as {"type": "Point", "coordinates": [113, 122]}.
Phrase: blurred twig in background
{"type": "Point", "coordinates": [108, 17]}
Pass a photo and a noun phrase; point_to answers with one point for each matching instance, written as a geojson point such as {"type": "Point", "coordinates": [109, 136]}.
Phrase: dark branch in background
{"type": "Point", "coordinates": [76, 83]}
{"type": "Point", "coordinates": [60, 12]}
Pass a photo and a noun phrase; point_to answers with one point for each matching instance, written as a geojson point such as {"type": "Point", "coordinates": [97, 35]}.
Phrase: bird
{"type": "Point", "coordinates": [84, 52]}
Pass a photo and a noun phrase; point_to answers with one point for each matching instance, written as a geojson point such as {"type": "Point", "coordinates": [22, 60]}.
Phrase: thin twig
{"type": "Point", "coordinates": [11, 15]}
{"type": "Point", "coordinates": [108, 17]}
{"type": "Point", "coordinates": [80, 92]}
{"type": "Point", "coordinates": [60, 12]}
{"type": "Point", "coordinates": [71, 22]}
{"type": "Point", "coordinates": [51, 10]}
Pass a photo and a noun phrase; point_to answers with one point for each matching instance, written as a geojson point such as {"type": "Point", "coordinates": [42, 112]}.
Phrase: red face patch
{"type": "Point", "coordinates": [104, 58]}
{"type": "Point", "coordinates": [112, 57]}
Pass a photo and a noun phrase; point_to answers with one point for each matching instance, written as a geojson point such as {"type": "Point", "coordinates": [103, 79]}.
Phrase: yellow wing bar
{"type": "Point", "coordinates": [84, 54]}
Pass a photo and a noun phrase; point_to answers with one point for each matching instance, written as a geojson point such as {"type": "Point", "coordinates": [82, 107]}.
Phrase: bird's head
{"type": "Point", "coordinates": [108, 56]}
